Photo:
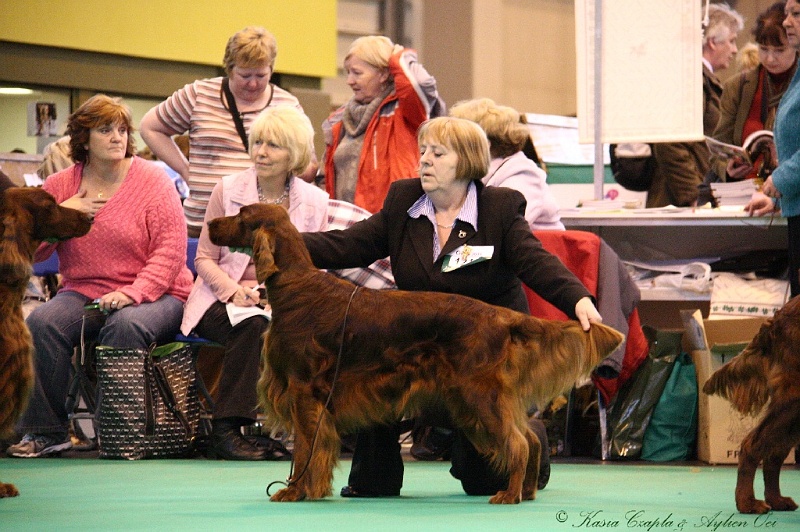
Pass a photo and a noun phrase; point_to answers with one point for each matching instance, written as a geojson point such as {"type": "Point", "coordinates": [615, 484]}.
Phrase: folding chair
{"type": "Point", "coordinates": [81, 403]}
{"type": "Point", "coordinates": [197, 344]}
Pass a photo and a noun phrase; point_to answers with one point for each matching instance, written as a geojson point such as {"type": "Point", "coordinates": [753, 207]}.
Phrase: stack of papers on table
{"type": "Point", "coordinates": [733, 192]}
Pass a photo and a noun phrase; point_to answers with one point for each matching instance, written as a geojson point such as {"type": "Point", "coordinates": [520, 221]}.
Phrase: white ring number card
{"type": "Point", "coordinates": [466, 255]}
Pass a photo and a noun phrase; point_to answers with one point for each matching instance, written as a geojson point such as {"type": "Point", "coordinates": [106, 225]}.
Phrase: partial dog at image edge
{"type": "Point", "coordinates": [766, 374]}
{"type": "Point", "coordinates": [377, 355]}
{"type": "Point", "coordinates": [29, 216]}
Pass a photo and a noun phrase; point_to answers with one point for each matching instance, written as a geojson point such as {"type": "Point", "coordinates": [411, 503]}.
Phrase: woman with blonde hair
{"type": "Point", "coordinates": [218, 113]}
{"type": "Point", "coordinates": [370, 141]}
{"type": "Point", "coordinates": [281, 147]}
{"type": "Point", "coordinates": [510, 167]}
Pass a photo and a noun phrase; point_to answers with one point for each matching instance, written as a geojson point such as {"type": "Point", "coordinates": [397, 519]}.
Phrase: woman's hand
{"type": "Point", "coordinates": [760, 204]}
{"type": "Point", "coordinates": [737, 169]}
{"type": "Point", "coordinates": [586, 313]}
{"type": "Point", "coordinates": [245, 297]}
{"type": "Point", "coordinates": [769, 189]}
{"type": "Point", "coordinates": [86, 205]}
{"type": "Point", "coordinates": [114, 301]}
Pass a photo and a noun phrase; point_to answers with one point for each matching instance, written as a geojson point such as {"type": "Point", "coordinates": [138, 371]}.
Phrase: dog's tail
{"type": "Point", "coordinates": [565, 355]}
{"type": "Point", "coordinates": [744, 380]}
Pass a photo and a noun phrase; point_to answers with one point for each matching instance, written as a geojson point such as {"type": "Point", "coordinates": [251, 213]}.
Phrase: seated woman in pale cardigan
{"type": "Point", "coordinates": [509, 166]}
{"type": "Point", "coordinates": [281, 144]}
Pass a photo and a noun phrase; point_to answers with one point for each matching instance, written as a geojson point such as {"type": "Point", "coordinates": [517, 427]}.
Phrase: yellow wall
{"type": "Point", "coordinates": [193, 31]}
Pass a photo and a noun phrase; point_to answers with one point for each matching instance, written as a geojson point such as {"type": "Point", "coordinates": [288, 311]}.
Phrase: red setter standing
{"type": "Point", "coordinates": [765, 374]}
{"type": "Point", "coordinates": [338, 358]}
{"type": "Point", "coordinates": [29, 216]}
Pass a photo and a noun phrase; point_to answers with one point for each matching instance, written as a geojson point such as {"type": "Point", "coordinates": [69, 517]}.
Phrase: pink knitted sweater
{"type": "Point", "coordinates": [137, 243]}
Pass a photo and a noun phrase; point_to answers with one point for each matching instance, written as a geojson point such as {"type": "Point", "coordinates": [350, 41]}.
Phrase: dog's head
{"type": "Point", "coordinates": [257, 227]}
{"type": "Point", "coordinates": [33, 213]}
{"type": "Point", "coordinates": [29, 216]}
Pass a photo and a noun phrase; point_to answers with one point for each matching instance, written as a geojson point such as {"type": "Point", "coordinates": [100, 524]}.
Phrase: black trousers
{"type": "Point", "coordinates": [236, 396]}
{"type": "Point", "coordinates": [793, 223]}
{"type": "Point", "coordinates": [377, 466]}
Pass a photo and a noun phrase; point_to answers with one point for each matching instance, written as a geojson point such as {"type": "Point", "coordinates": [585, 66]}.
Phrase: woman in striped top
{"type": "Point", "coordinates": [201, 108]}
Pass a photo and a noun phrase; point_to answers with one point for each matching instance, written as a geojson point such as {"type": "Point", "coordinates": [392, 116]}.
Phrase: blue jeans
{"type": "Point", "coordinates": [56, 329]}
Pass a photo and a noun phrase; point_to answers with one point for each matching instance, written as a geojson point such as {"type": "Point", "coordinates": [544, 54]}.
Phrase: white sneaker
{"type": "Point", "coordinates": [36, 445]}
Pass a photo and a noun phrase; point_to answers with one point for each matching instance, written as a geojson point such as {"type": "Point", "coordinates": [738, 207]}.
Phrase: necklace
{"type": "Point", "coordinates": [273, 201]}
{"type": "Point", "coordinates": [103, 187]}
{"type": "Point", "coordinates": [446, 226]}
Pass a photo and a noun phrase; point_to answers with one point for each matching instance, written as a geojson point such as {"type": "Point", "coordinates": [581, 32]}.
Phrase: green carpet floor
{"type": "Point", "coordinates": [93, 494]}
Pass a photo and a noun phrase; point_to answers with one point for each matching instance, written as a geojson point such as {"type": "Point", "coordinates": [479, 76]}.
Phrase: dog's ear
{"type": "Point", "coordinates": [263, 247]}
{"type": "Point", "coordinates": [16, 249]}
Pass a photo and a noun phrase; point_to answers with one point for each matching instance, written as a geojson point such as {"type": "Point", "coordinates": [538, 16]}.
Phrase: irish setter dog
{"type": "Point", "coordinates": [29, 216]}
{"type": "Point", "coordinates": [765, 374]}
{"type": "Point", "coordinates": [338, 358]}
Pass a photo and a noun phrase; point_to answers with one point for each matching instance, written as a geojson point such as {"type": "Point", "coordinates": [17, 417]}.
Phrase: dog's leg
{"type": "Point", "coordinates": [783, 419]}
{"type": "Point", "coordinates": [316, 448]}
{"type": "Point", "coordinates": [532, 471]}
{"type": "Point", "coordinates": [515, 448]}
{"type": "Point", "coordinates": [770, 441]}
{"type": "Point", "coordinates": [506, 445]}
{"type": "Point", "coordinates": [8, 490]}
{"type": "Point", "coordinates": [746, 501]}
{"type": "Point", "coordinates": [772, 487]}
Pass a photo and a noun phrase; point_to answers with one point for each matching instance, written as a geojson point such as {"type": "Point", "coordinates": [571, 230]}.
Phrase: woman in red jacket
{"type": "Point", "coordinates": [371, 140]}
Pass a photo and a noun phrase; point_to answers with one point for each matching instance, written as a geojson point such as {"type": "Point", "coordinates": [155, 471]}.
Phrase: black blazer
{"type": "Point", "coordinates": [518, 255]}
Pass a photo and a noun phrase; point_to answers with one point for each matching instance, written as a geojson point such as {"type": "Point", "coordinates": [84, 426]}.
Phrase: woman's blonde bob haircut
{"type": "Point", "coordinates": [375, 50]}
{"type": "Point", "coordinates": [252, 47]}
{"type": "Point", "coordinates": [462, 136]}
{"type": "Point", "coordinates": [502, 124]}
{"type": "Point", "coordinates": [288, 128]}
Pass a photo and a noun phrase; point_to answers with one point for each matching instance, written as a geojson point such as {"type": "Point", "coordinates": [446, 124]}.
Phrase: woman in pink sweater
{"type": "Point", "coordinates": [132, 263]}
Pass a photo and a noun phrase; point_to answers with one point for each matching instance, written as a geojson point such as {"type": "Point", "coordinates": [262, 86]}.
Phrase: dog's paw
{"type": "Point", "coordinates": [528, 495]}
{"type": "Point", "coordinates": [8, 490]}
{"type": "Point", "coordinates": [290, 494]}
{"type": "Point", "coordinates": [752, 506]}
{"type": "Point", "coordinates": [782, 504]}
{"type": "Point", "coordinates": [506, 497]}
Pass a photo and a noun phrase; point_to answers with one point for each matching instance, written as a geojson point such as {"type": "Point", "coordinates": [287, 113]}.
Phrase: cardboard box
{"type": "Point", "coordinates": [720, 428]}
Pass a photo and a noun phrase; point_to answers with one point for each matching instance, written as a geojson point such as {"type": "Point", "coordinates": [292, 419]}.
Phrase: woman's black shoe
{"type": "Point", "coordinates": [350, 492]}
{"type": "Point", "coordinates": [273, 449]}
{"type": "Point", "coordinates": [432, 443]}
{"type": "Point", "coordinates": [228, 443]}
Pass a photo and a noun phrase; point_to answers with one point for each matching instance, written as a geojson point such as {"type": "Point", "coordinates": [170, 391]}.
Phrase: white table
{"type": "Point", "coordinates": [648, 235]}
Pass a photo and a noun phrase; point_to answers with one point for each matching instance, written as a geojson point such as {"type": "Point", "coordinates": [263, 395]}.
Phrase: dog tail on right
{"type": "Point", "coordinates": [562, 354]}
{"type": "Point", "coordinates": [744, 380]}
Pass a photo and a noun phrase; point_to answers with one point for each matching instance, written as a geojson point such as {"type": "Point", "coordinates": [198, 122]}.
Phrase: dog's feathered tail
{"type": "Point", "coordinates": [559, 354]}
{"type": "Point", "coordinates": [744, 380]}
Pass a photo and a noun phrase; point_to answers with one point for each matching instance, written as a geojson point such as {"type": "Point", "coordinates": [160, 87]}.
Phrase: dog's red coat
{"type": "Point", "coordinates": [766, 373]}
{"type": "Point", "coordinates": [29, 215]}
{"type": "Point", "coordinates": [400, 351]}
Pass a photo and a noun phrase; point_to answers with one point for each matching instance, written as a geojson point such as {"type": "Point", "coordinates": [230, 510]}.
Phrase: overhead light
{"type": "Point", "coordinates": [15, 91]}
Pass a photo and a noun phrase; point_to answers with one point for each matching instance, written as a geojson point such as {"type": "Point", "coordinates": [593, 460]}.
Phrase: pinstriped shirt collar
{"type": "Point", "coordinates": [468, 213]}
